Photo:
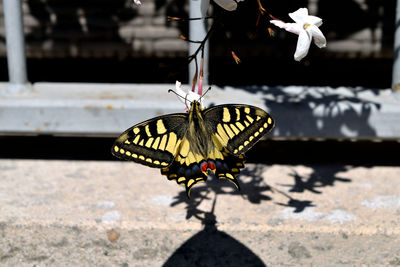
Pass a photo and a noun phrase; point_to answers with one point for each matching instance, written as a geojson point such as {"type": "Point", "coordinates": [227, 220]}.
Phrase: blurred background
{"type": "Point", "coordinates": [115, 41]}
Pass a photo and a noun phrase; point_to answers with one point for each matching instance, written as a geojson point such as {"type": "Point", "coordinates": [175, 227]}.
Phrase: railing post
{"type": "Point", "coordinates": [15, 44]}
{"type": "Point", "coordinates": [197, 32]}
{"type": "Point", "coordinates": [396, 52]}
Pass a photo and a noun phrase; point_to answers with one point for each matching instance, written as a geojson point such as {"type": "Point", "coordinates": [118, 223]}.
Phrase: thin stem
{"type": "Point", "coordinates": [188, 19]}
{"type": "Point", "coordinates": [195, 75]}
{"type": "Point", "coordinates": [200, 88]}
{"type": "Point", "coordinates": [202, 43]}
{"type": "Point", "coordinates": [262, 11]}
{"type": "Point", "coordinates": [260, 7]}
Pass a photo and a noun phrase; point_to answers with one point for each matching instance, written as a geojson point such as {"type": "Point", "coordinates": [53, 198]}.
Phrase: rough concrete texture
{"type": "Point", "coordinates": [86, 213]}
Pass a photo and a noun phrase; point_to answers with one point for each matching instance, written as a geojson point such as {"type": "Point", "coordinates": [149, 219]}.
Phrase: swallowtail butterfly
{"type": "Point", "coordinates": [189, 146]}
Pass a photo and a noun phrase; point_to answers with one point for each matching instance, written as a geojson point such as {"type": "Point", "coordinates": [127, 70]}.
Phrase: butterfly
{"type": "Point", "coordinates": [189, 146]}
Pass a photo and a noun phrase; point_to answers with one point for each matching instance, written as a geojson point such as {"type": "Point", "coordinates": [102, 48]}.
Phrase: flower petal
{"type": "Point", "coordinates": [180, 92]}
{"type": "Point", "coordinates": [229, 5]}
{"type": "Point", "coordinates": [318, 36]}
{"type": "Point", "coordinates": [137, 2]}
{"type": "Point", "coordinates": [300, 15]}
{"type": "Point", "coordinates": [303, 45]}
{"type": "Point", "coordinates": [191, 96]}
{"type": "Point", "coordinates": [290, 27]}
{"type": "Point", "coordinates": [313, 20]}
{"type": "Point", "coordinates": [204, 7]}
{"type": "Point", "coordinates": [186, 97]}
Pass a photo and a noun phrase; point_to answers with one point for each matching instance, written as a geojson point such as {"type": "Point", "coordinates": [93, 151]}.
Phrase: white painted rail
{"type": "Point", "coordinates": [109, 109]}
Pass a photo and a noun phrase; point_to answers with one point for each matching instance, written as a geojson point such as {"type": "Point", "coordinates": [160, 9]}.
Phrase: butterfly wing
{"type": "Point", "coordinates": [162, 142]}
{"type": "Point", "coordinates": [153, 142]}
{"type": "Point", "coordinates": [237, 127]}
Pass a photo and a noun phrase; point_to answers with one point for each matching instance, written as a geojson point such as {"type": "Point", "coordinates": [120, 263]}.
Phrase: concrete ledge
{"type": "Point", "coordinates": [70, 213]}
{"type": "Point", "coordinates": [109, 109]}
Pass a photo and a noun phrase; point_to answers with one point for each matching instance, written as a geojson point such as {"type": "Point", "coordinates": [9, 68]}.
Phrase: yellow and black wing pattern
{"type": "Point", "coordinates": [226, 166]}
{"type": "Point", "coordinates": [153, 142]}
{"type": "Point", "coordinates": [238, 127]}
{"type": "Point", "coordinates": [190, 146]}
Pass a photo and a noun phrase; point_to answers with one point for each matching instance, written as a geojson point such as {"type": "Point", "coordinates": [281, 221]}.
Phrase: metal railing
{"type": "Point", "coordinates": [197, 32]}
{"type": "Point", "coordinates": [15, 44]}
{"type": "Point", "coordinates": [396, 52]}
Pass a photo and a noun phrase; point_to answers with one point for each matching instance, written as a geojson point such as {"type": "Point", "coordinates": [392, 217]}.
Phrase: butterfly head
{"type": "Point", "coordinates": [195, 111]}
{"type": "Point", "coordinates": [195, 104]}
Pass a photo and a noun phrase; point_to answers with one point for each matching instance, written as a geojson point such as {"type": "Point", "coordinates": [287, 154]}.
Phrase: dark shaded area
{"type": "Point", "coordinates": [312, 71]}
{"type": "Point", "coordinates": [370, 73]}
{"type": "Point", "coordinates": [140, 70]}
{"type": "Point", "coordinates": [51, 147]}
{"type": "Point", "coordinates": [292, 152]}
{"type": "Point", "coordinates": [338, 14]}
{"type": "Point", "coordinates": [211, 247]}
{"type": "Point", "coordinates": [74, 21]}
{"type": "Point", "coordinates": [266, 60]}
{"type": "Point", "coordinates": [345, 152]}
{"type": "Point", "coordinates": [3, 70]}
{"type": "Point", "coordinates": [341, 19]}
{"type": "Point", "coordinates": [299, 205]}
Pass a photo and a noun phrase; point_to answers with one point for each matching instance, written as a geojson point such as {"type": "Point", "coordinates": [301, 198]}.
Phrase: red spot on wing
{"type": "Point", "coordinates": [204, 167]}
{"type": "Point", "coordinates": [211, 165]}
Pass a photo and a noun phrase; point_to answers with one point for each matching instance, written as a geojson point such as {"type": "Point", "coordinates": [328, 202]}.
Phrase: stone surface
{"type": "Point", "coordinates": [122, 214]}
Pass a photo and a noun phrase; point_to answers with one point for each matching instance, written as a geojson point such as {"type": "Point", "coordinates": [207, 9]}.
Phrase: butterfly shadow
{"type": "Point", "coordinates": [252, 188]}
{"type": "Point", "coordinates": [210, 246]}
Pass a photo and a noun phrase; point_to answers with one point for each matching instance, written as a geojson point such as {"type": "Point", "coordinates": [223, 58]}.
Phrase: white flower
{"type": "Point", "coordinates": [307, 28]}
{"type": "Point", "coordinates": [186, 97]}
{"type": "Point", "coordinates": [229, 5]}
{"type": "Point", "coordinates": [137, 2]}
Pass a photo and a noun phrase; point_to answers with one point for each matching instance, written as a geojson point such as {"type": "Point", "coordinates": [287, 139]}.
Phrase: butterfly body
{"type": "Point", "coordinates": [189, 146]}
{"type": "Point", "coordinates": [199, 137]}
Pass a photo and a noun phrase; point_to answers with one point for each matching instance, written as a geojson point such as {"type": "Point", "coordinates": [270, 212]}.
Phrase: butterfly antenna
{"type": "Point", "coordinates": [170, 90]}
{"type": "Point", "coordinates": [209, 88]}
{"type": "Point", "coordinates": [178, 95]}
